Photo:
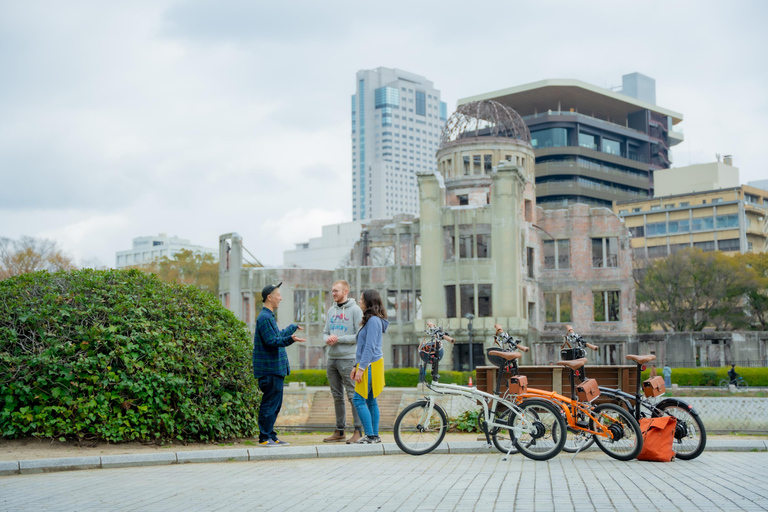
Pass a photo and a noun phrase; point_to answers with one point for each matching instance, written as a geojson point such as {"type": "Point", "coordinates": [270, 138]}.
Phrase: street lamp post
{"type": "Point", "coordinates": [470, 316]}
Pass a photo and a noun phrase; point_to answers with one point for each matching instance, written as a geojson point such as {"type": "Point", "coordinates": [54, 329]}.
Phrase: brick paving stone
{"type": "Point", "coordinates": [401, 482]}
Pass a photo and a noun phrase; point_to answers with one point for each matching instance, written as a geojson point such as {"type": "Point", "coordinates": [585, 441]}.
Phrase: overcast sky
{"type": "Point", "coordinates": [202, 117]}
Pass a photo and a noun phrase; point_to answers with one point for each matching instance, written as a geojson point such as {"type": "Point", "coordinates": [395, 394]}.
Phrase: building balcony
{"type": "Point", "coordinates": [572, 188]}
{"type": "Point", "coordinates": [574, 169]}
{"type": "Point", "coordinates": [634, 163]}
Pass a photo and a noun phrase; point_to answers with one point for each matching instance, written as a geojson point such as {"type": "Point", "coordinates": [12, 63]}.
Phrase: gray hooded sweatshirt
{"type": "Point", "coordinates": [343, 320]}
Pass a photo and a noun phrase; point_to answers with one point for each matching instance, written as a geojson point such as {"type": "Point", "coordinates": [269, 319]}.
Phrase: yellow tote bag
{"type": "Point", "coordinates": [377, 373]}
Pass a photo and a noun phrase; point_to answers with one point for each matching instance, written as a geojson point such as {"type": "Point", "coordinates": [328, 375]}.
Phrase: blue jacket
{"type": "Point", "coordinates": [369, 341]}
{"type": "Point", "coordinates": [269, 342]}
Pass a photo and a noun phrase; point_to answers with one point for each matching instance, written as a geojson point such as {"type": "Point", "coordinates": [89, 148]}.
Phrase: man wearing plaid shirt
{"type": "Point", "coordinates": [270, 363]}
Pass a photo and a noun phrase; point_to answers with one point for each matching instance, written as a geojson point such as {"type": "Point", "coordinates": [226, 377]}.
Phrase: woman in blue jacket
{"type": "Point", "coordinates": [369, 371]}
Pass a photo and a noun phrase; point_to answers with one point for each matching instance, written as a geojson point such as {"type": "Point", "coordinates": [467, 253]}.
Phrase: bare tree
{"type": "Point", "coordinates": [29, 254]}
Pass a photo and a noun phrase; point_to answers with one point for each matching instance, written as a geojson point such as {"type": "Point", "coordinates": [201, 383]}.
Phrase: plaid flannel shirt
{"type": "Point", "coordinates": [269, 342]}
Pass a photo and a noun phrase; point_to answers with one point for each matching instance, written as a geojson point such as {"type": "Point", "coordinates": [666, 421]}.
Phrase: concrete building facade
{"type": "Point", "coordinates": [397, 118]}
{"type": "Point", "coordinates": [148, 248]}
{"type": "Point", "coordinates": [732, 220]}
{"type": "Point", "coordinates": [479, 247]}
{"type": "Point", "coordinates": [593, 145]}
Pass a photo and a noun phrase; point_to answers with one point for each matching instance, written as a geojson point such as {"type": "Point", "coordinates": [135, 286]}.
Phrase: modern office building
{"type": "Point", "coordinates": [593, 145]}
{"type": "Point", "coordinates": [148, 248]}
{"type": "Point", "coordinates": [397, 118]}
{"type": "Point", "coordinates": [732, 219]}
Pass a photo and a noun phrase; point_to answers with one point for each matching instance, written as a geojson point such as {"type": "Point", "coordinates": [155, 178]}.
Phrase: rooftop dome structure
{"type": "Point", "coordinates": [482, 119]}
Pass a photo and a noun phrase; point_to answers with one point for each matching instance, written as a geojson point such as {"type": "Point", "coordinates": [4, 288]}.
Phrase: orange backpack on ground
{"type": "Point", "coordinates": [658, 436]}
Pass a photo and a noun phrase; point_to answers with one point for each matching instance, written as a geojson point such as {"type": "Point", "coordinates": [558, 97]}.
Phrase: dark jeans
{"type": "Point", "coordinates": [338, 371]}
{"type": "Point", "coordinates": [271, 387]}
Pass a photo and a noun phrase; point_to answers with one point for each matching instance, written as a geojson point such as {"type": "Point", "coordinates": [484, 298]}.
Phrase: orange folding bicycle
{"type": "Point", "coordinates": [614, 430]}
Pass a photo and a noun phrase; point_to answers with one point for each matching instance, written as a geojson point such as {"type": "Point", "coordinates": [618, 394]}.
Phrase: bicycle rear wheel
{"type": "Point", "coordinates": [537, 429]}
{"type": "Point", "coordinates": [626, 438]}
{"type": "Point", "coordinates": [690, 436]}
{"type": "Point", "coordinates": [724, 383]}
{"type": "Point", "coordinates": [419, 431]}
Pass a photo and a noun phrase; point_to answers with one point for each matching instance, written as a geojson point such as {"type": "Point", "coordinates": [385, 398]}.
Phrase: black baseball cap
{"type": "Point", "coordinates": [269, 289]}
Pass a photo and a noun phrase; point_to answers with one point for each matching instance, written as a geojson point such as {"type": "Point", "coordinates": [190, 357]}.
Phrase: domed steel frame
{"type": "Point", "coordinates": [484, 118]}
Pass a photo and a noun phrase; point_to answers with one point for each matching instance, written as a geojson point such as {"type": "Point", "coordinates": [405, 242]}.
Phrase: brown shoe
{"type": "Point", "coordinates": [355, 437]}
{"type": "Point", "coordinates": [337, 437]}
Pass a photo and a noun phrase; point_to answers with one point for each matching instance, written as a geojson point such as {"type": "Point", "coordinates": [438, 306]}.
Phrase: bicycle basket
{"type": "Point", "coordinates": [431, 351]}
{"type": "Point", "coordinates": [569, 354]}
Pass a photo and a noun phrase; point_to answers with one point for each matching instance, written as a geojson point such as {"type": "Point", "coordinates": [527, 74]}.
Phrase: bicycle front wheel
{"type": "Point", "coordinates": [537, 429]}
{"type": "Point", "coordinates": [690, 436]}
{"type": "Point", "coordinates": [419, 430]}
{"type": "Point", "coordinates": [742, 385]}
{"type": "Point", "coordinates": [625, 439]}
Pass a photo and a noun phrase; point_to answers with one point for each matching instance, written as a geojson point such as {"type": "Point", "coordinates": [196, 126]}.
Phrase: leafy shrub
{"type": "Point", "coordinates": [311, 377]}
{"type": "Point", "coordinates": [119, 355]}
{"type": "Point", "coordinates": [394, 377]}
{"type": "Point", "coordinates": [712, 376]}
{"type": "Point", "coordinates": [466, 421]}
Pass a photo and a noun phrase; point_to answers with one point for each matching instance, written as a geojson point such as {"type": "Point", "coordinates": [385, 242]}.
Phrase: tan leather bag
{"type": "Point", "coordinates": [587, 390]}
{"type": "Point", "coordinates": [654, 386]}
{"type": "Point", "coordinates": [518, 385]}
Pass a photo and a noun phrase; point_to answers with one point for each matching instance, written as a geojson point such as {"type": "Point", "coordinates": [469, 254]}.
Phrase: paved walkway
{"type": "Point", "coordinates": [592, 481]}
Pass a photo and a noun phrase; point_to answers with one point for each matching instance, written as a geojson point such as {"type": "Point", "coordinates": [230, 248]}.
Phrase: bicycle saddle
{"type": "Point", "coordinates": [509, 356]}
{"type": "Point", "coordinates": [573, 365]}
{"type": "Point", "coordinates": [641, 359]}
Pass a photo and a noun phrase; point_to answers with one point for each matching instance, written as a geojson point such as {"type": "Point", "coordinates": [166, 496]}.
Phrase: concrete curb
{"type": "Point", "coordinates": [291, 452]}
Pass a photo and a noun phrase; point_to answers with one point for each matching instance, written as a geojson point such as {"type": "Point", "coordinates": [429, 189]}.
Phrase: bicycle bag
{"type": "Point", "coordinates": [570, 354]}
{"type": "Point", "coordinates": [654, 386]}
{"type": "Point", "coordinates": [658, 436]}
{"type": "Point", "coordinates": [587, 390]}
{"type": "Point", "coordinates": [518, 385]}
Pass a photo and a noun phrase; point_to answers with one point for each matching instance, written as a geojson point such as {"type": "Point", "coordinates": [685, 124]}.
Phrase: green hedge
{"type": "Point", "coordinates": [394, 377]}
{"type": "Point", "coordinates": [755, 377]}
{"type": "Point", "coordinates": [119, 355]}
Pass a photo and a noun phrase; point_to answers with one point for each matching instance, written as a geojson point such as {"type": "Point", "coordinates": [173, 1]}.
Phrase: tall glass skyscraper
{"type": "Point", "coordinates": [397, 118]}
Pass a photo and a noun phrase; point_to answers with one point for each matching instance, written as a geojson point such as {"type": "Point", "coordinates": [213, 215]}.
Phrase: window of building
{"type": "Point", "coordinates": [658, 251]}
{"type": "Point", "coordinates": [605, 252]}
{"type": "Point", "coordinates": [488, 163]}
{"type": "Point", "coordinates": [465, 244]}
{"type": "Point", "coordinates": [607, 306]}
{"type": "Point", "coordinates": [612, 147]}
{"type": "Point", "coordinates": [686, 203]}
{"type": "Point", "coordinates": [587, 141]}
{"type": "Point", "coordinates": [655, 207]}
{"type": "Point", "coordinates": [483, 245]}
{"type": "Point", "coordinates": [532, 313]}
{"type": "Point", "coordinates": [467, 299]}
{"type": "Point", "coordinates": [530, 254]}
{"type": "Point", "coordinates": [673, 248]}
{"type": "Point", "coordinates": [729, 245]}
{"type": "Point", "coordinates": [299, 306]}
{"type": "Point", "coordinates": [727, 221]}
{"type": "Point", "coordinates": [450, 301]}
{"type": "Point", "coordinates": [717, 200]}
{"type": "Point", "coordinates": [669, 206]}
{"type": "Point", "coordinates": [703, 224]}
{"type": "Point", "coordinates": [623, 212]}
{"type": "Point", "coordinates": [656, 228]}
{"type": "Point", "coordinates": [463, 199]}
{"type": "Point", "coordinates": [484, 300]}
{"type": "Point", "coordinates": [557, 254]}
{"type": "Point", "coordinates": [405, 356]}
{"type": "Point", "coordinates": [392, 306]}
{"type": "Point", "coordinates": [467, 169]}
{"type": "Point", "coordinates": [705, 246]}
{"type": "Point", "coordinates": [528, 210]}
{"type": "Point", "coordinates": [421, 103]}
{"type": "Point", "coordinates": [751, 198]}
{"type": "Point", "coordinates": [551, 137]}
{"type": "Point", "coordinates": [316, 306]}
{"type": "Point", "coordinates": [637, 210]}
{"type": "Point", "coordinates": [637, 231]}
{"type": "Point", "coordinates": [557, 307]}
{"type": "Point", "coordinates": [448, 241]}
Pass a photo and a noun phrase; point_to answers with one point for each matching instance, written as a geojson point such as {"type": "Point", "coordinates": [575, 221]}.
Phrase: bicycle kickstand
{"type": "Point", "coordinates": [578, 450]}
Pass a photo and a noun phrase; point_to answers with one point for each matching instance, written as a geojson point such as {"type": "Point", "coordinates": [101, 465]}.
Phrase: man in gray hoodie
{"type": "Point", "coordinates": [341, 325]}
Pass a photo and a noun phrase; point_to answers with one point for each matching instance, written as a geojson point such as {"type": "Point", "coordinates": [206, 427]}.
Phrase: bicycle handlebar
{"type": "Point", "coordinates": [593, 347]}
{"type": "Point", "coordinates": [523, 348]}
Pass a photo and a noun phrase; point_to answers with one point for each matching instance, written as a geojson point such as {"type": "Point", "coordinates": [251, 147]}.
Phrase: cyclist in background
{"type": "Point", "coordinates": [732, 375]}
